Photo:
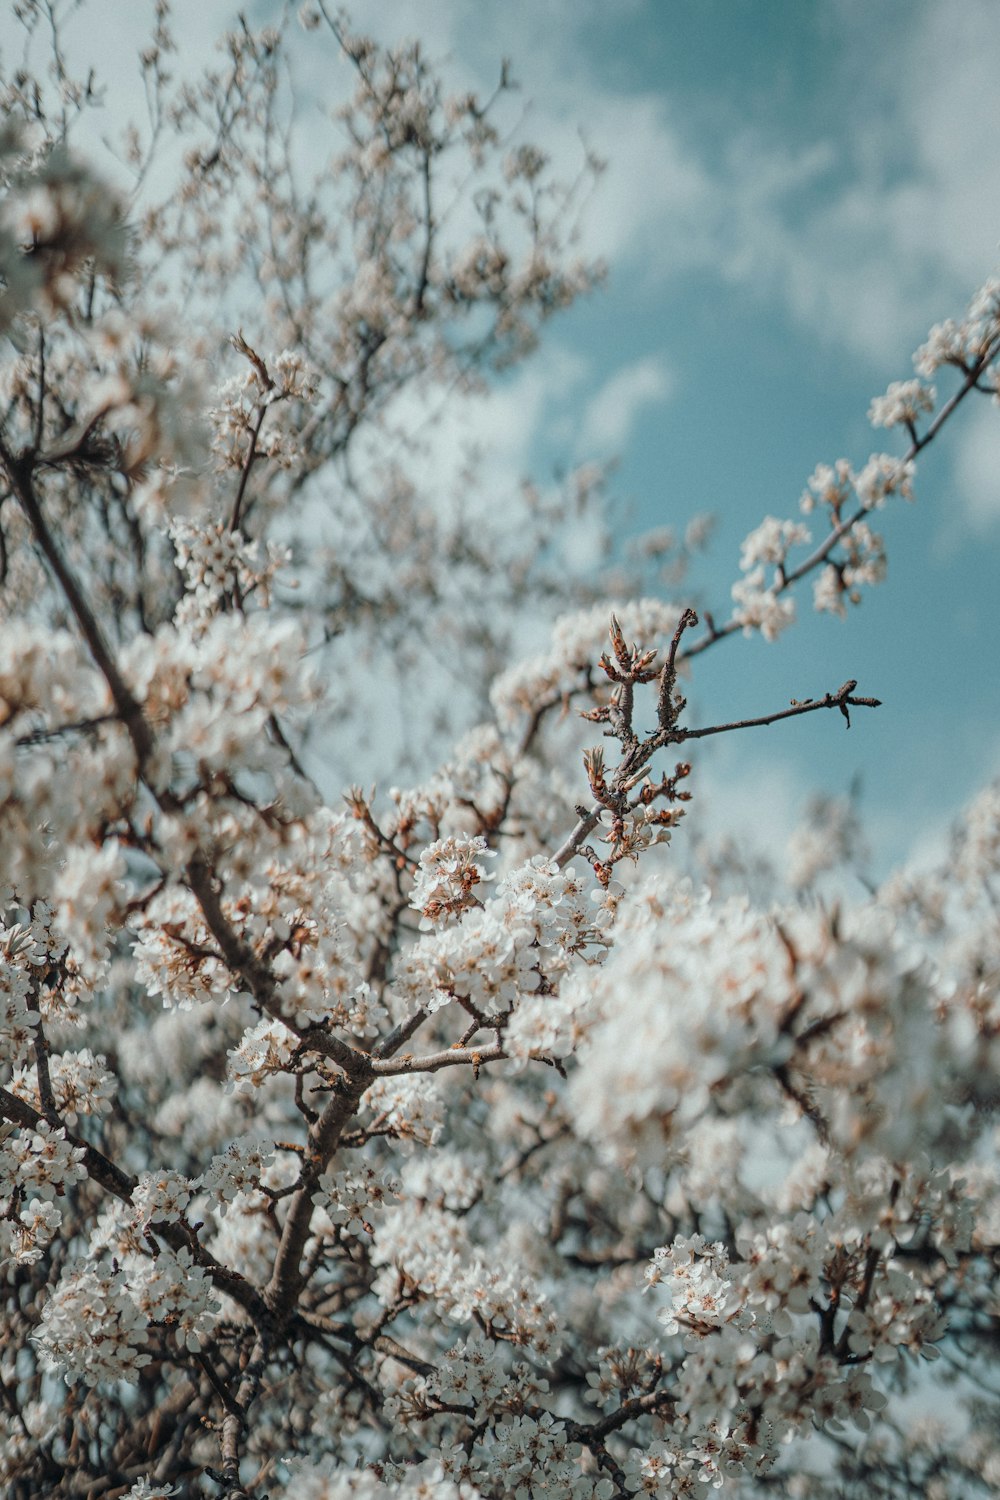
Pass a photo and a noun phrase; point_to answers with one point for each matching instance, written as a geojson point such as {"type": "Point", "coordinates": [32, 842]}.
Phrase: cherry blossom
{"type": "Point", "coordinates": [465, 1136]}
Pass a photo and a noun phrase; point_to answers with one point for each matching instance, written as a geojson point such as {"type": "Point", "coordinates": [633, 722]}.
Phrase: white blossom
{"type": "Point", "coordinates": [770, 542]}
{"type": "Point", "coordinates": [903, 402]}
{"type": "Point", "coordinates": [92, 1328]}
{"type": "Point", "coordinates": [761, 608]}
{"type": "Point", "coordinates": [161, 1197]}
{"type": "Point", "coordinates": [239, 1169]}
{"type": "Point", "coordinates": [350, 1198]}
{"type": "Point", "coordinates": [445, 1141]}
{"type": "Point", "coordinates": [448, 878]}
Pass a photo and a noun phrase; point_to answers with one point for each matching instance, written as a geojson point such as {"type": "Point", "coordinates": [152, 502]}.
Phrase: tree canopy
{"type": "Point", "coordinates": [453, 1139]}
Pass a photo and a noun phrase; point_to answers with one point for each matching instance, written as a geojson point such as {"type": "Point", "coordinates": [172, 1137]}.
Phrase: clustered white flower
{"type": "Point", "coordinates": [516, 943]}
{"type": "Point", "coordinates": [448, 877]}
{"type": "Point", "coordinates": [220, 567]}
{"type": "Point", "coordinates": [80, 1083]}
{"type": "Point", "coordinates": [856, 554]}
{"type": "Point", "coordinates": [424, 1247]}
{"type": "Point", "coordinates": [253, 419]}
{"type": "Point", "coordinates": [161, 1197]}
{"type": "Point", "coordinates": [92, 1328]}
{"type": "Point", "coordinates": [36, 1169]}
{"type": "Point", "coordinates": [446, 1138]}
{"type": "Point", "coordinates": [263, 1052]}
{"type": "Point", "coordinates": [239, 1169]}
{"type": "Point", "coordinates": [967, 341]}
{"type": "Point", "coordinates": [761, 607]}
{"type": "Point", "coordinates": [350, 1198]}
{"type": "Point", "coordinates": [904, 402]}
{"type": "Point", "coordinates": [410, 1109]}
{"type": "Point", "coordinates": [770, 542]}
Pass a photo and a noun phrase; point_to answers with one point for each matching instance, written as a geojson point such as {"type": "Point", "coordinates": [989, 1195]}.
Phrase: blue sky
{"type": "Point", "coordinates": [795, 191]}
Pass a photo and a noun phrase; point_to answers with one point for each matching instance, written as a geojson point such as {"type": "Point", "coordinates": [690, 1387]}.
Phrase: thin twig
{"type": "Point", "coordinates": [841, 699]}
{"type": "Point", "coordinates": [822, 551]}
{"type": "Point", "coordinates": [637, 757]}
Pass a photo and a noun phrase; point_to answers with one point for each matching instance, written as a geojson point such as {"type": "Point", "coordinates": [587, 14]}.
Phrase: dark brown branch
{"type": "Point", "coordinates": [391, 1044]}
{"type": "Point", "coordinates": [783, 1074]}
{"type": "Point", "coordinates": [241, 960]}
{"type": "Point", "coordinates": [841, 699]}
{"type": "Point", "coordinates": [19, 472]}
{"type": "Point", "coordinates": [286, 1280]}
{"type": "Point", "coordinates": [666, 713]}
{"type": "Point", "coordinates": [638, 756]}
{"type": "Point", "coordinates": [248, 463]}
{"type": "Point", "coordinates": [385, 1344]}
{"type": "Point", "coordinates": [595, 1432]}
{"type": "Point", "coordinates": [45, 1093]}
{"type": "Point", "coordinates": [224, 1394]}
{"type": "Point", "coordinates": [234, 1424]}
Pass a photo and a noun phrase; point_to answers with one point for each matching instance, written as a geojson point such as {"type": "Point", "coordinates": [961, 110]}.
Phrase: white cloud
{"type": "Point", "coordinates": [503, 427]}
{"type": "Point", "coordinates": [753, 799]}
{"type": "Point", "coordinates": [656, 210]}
{"type": "Point", "coordinates": [866, 229]}
{"type": "Point", "coordinates": [612, 414]}
{"type": "Point", "coordinates": [976, 466]}
{"type": "Point", "coordinates": [903, 218]}
{"type": "Point", "coordinates": [948, 61]}
{"type": "Point", "coordinates": [865, 238]}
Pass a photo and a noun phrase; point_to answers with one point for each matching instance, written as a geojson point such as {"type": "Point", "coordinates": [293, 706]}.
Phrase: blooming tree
{"type": "Point", "coordinates": [449, 1142]}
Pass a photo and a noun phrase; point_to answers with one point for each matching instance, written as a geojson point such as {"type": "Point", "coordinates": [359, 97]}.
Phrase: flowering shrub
{"type": "Point", "coordinates": [450, 1143]}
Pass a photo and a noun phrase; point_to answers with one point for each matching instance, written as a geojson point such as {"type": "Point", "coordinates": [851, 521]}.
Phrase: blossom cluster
{"type": "Point", "coordinates": [515, 943]}
{"type": "Point", "coordinates": [392, 1146]}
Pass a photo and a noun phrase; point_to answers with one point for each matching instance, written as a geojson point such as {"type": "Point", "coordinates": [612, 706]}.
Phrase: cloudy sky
{"type": "Point", "coordinates": [794, 194]}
